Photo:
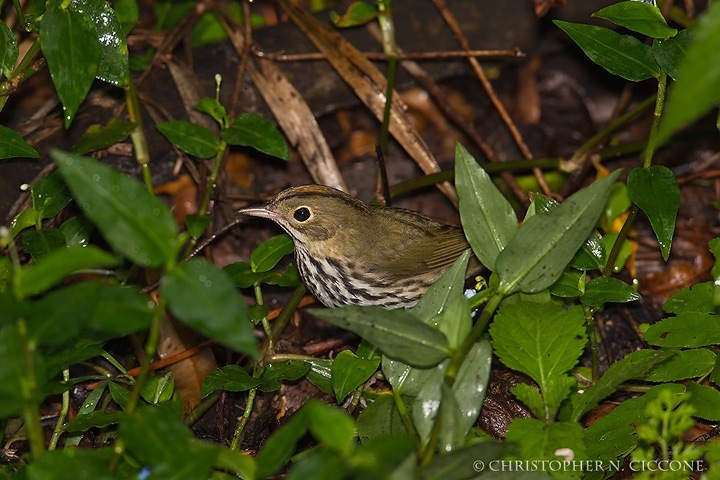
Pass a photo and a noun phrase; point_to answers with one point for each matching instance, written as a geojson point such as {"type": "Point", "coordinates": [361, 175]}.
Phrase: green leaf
{"type": "Point", "coordinates": [685, 330]}
{"type": "Point", "coordinates": [621, 55]}
{"type": "Point", "coordinates": [271, 374]}
{"type": "Point", "coordinates": [197, 224]}
{"type": "Point", "coordinates": [243, 276]}
{"type": "Point", "coordinates": [695, 91]}
{"type": "Point", "coordinates": [540, 440]}
{"type": "Point", "coordinates": [357, 13]}
{"type": "Point", "coordinates": [349, 372]}
{"type": "Point", "coordinates": [70, 46]}
{"type": "Point", "coordinates": [119, 394]}
{"type": "Point", "coordinates": [231, 378]}
{"type": "Point", "coordinates": [133, 221]}
{"type": "Point", "coordinates": [240, 463]}
{"type": "Point", "coordinates": [156, 436]}
{"type": "Point", "coordinates": [602, 290]}
{"type": "Point", "coordinates": [404, 379]}
{"type": "Point", "coordinates": [12, 372]}
{"type": "Point", "coordinates": [471, 383]}
{"type": "Point", "coordinates": [461, 463]}
{"type": "Point", "coordinates": [531, 397]}
{"type": "Point", "coordinates": [319, 465]}
{"type": "Point", "coordinates": [39, 243]}
{"type": "Point", "coordinates": [127, 13]}
{"type": "Point", "coordinates": [50, 195]}
{"type": "Point", "coordinates": [635, 365]}
{"type": "Point", "coordinates": [55, 266]}
{"type": "Point", "coordinates": [12, 145]}
{"type": "Point", "coordinates": [251, 130]}
{"type": "Point", "coordinates": [213, 108]}
{"type": "Point", "coordinates": [8, 50]}
{"type": "Point", "coordinates": [452, 434]}
{"type": "Point", "coordinates": [639, 17]}
{"type": "Point", "coordinates": [77, 231]}
{"type": "Point", "coordinates": [79, 464]}
{"type": "Point", "coordinates": [396, 332]}
{"type": "Point", "coordinates": [670, 53]}
{"type": "Point", "coordinates": [191, 138]}
{"type": "Point", "coordinates": [705, 400]}
{"type": "Point", "coordinates": [684, 364]}
{"type": "Point", "coordinates": [269, 252]}
{"type": "Point", "coordinates": [695, 299]}
{"type": "Point", "coordinates": [320, 373]}
{"type": "Point", "coordinates": [380, 419]}
{"type": "Point", "coordinates": [609, 240]}
{"type": "Point", "coordinates": [331, 426]}
{"type": "Point", "coordinates": [203, 297]}
{"type": "Point", "coordinates": [89, 405]}
{"type": "Point", "coordinates": [113, 64]}
{"type": "Point", "coordinates": [450, 285]}
{"type": "Point", "coordinates": [656, 191]}
{"type": "Point", "coordinates": [99, 137]}
{"type": "Point", "coordinates": [27, 218]}
{"type": "Point", "coordinates": [487, 217]}
{"type": "Point", "coordinates": [544, 341]}
{"type": "Point", "coordinates": [85, 422]}
{"type": "Point", "coordinates": [537, 255]}
{"type": "Point", "coordinates": [281, 445]}
{"type": "Point", "coordinates": [571, 284]}
{"type": "Point", "coordinates": [158, 389]}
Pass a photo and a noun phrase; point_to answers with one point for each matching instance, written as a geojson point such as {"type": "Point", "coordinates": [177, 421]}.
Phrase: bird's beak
{"type": "Point", "coordinates": [259, 211]}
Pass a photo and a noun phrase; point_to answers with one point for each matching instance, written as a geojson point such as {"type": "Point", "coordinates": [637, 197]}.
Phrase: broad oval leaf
{"type": "Point", "coordinates": [213, 108]}
{"type": "Point", "coordinates": [639, 17]}
{"type": "Point", "coordinates": [55, 266]}
{"type": "Point", "coordinates": [349, 372]}
{"type": "Point", "coordinates": [12, 145]}
{"type": "Point", "coordinates": [70, 46]}
{"type": "Point", "coordinates": [396, 332]}
{"type": "Point", "coordinates": [603, 290]}
{"type": "Point", "coordinates": [696, 90]}
{"type": "Point", "coordinates": [487, 217]}
{"type": "Point", "coordinates": [113, 65]}
{"type": "Point", "coordinates": [135, 222]}
{"type": "Point", "coordinates": [50, 195]}
{"type": "Point", "coordinates": [39, 243]}
{"type": "Point", "coordinates": [656, 191]}
{"type": "Point", "coordinates": [685, 330]}
{"type": "Point", "coordinates": [98, 137]}
{"type": "Point", "coordinates": [269, 252]}
{"type": "Point", "coordinates": [670, 53]}
{"type": "Point", "coordinates": [621, 55]}
{"type": "Point", "coordinates": [684, 364]}
{"type": "Point", "coordinates": [8, 50]}
{"type": "Point", "coordinates": [252, 130]}
{"type": "Point", "coordinates": [204, 297]}
{"type": "Point", "coordinates": [544, 245]}
{"type": "Point", "coordinates": [191, 138]}
{"type": "Point", "coordinates": [231, 378]}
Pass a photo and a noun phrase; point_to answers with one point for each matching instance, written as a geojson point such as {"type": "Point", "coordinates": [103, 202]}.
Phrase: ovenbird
{"type": "Point", "coordinates": [350, 253]}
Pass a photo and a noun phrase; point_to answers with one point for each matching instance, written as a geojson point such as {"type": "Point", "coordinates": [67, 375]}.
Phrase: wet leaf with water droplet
{"type": "Point", "coordinates": [135, 222]}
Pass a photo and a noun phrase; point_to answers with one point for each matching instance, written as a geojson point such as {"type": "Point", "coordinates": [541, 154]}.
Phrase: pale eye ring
{"type": "Point", "coordinates": [302, 214]}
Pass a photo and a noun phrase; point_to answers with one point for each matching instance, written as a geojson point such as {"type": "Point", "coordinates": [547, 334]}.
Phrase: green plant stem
{"type": "Point", "coordinates": [20, 13]}
{"type": "Point", "coordinates": [659, 104]}
{"type": "Point", "coordinates": [405, 417]}
{"type": "Point", "coordinates": [589, 314]}
{"type": "Point", "coordinates": [244, 419]}
{"type": "Point", "coordinates": [603, 133]}
{"type": "Point", "coordinates": [202, 407]}
{"type": "Point", "coordinates": [31, 406]}
{"type": "Point", "coordinates": [265, 324]}
{"type": "Point", "coordinates": [281, 357]}
{"type": "Point", "coordinates": [203, 209]}
{"type": "Point", "coordinates": [455, 362]}
{"type": "Point", "coordinates": [27, 59]}
{"type": "Point", "coordinates": [63, 413]}
{"type": "Point", "coordinates": [285, 315]}
{"type": "Point", "coordinates": [132, 403]}
{"type": "Point", "coordinates": [137, 136]}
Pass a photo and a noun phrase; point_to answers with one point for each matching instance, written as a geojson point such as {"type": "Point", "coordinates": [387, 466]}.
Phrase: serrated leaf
{"type": "Point", "coordinates": [670, 53]}
{"type": "Point", "coordinates": [203, 297]}
{"type": "Point", "coordinates": [639, 17]}
{"type": "Point", "coordinates": [538, 253]}
{"type": "Point", "coordinates": [12, 145]}
{"type": "Point", "coordinates": [635, 365]}
{"type": "Point", "coordinates": [540, 440]}
{"type": "Point", "coordinates": [488, 219]}
{"type": "Point", "coordinates": [99, 137]}
{"type": "Point", "coordinates": [349, 372]}
{"type": "Point", "coordinates": [8, 50]}
{"type": "Point", "coordinates": [133, 221]}
{"type": "Point", "coordinates": [252, 130]}
{"type": "Point", "coordinates": [695, 299]}
{"type": "Point", "coordinates": [70, 46]}
{"type": "Point", "coordinates": [55, 266]}
{"type": "Point", "coordinates": [656, 191]}
{"type": "Point", "coordinates": [544, 341]}
{"type": "Point", "coordinates": [603, 290]}
{"type": "Point", "coordinates": [396, 332]}
{"type": "Point", "coordinates": [685, 330]}
{"type": "Point", "coordinates": [684, 364]}
{"type": "Point", "coordinates": [621, 55]}
{"type": "Point", "coordinates": [191, 138]}
{"type": "Point", "coordinates": [705, 400]}
{"type": "Point", "coordinates": [231, 378]}
{"type": "Point", "coordinates": [531, 397]}
{"type": "Point", "coordinates": [269, 252]}
{"type": "Point", "coordinates": [113, 63]}
{"type": "Point", "coordinates": [357, 13]}
{"type": "Point", "coordinates": [695, 91]}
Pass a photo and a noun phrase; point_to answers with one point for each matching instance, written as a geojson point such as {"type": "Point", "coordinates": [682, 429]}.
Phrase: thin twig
{"type": "Point", "coordinates": [303, 57]}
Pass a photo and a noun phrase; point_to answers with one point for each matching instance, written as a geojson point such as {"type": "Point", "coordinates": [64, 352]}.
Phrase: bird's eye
{"type": "Point", "coordinates": [302, 214]}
